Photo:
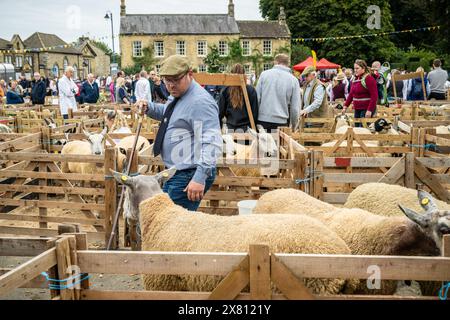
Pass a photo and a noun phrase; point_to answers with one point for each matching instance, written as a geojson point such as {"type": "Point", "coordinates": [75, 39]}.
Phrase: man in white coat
{"type": "Point", "coordinates": [67, 92]}
{"type": "Point", "coordinates": [143, 90]}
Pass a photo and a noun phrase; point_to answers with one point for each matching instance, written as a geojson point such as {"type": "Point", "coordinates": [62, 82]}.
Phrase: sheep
{"type": "Point", "coordinates": [127, 143]}
{"type": "Point", "coordinates": [382, 199]}
{"type": "Point", "coordinates": [93, 146]}
{"type": "Point", "coordinates": [168, 227]}
{"type": "Point", "coordinates": [263, 147]}
{"type": "Point", "coordinates": [443, 129]}
{"type": "Point", "coordinates": [381, 126]}
{"type": "Point", "coordinates": [5, 129]}
{"type": "Point", "coordinates": [366, 233]}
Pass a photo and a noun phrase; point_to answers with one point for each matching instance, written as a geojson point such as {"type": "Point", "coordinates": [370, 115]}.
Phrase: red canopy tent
{"type": "Point", "coordinates": [325, 64]}
{"type": "Point", "coordinates": [303, 65]}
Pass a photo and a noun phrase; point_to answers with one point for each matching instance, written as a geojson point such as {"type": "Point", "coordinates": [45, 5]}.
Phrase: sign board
{"type": "Point", "coordinates": [114, 67]}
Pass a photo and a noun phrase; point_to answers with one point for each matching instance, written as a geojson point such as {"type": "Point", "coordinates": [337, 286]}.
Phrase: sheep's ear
{"type": "Point", "coordinates": [261, 129]}
{"type": "Point", "coordinates": [86, 133]}
{"type": "Point", "coordinates": [122, 178]}
{"type": "Point", "coordinates": [142, 147]}
{"type": "Point", "coordinates": [166, 175]}
{"type": "Point", "coordinates": [426, 200]}
{"type": "Point", "coordinates": [253, 132]}
{"type": "Point", "coordinates": [421, 219]}
{"type": "Point", "coordinates": [123, 151]}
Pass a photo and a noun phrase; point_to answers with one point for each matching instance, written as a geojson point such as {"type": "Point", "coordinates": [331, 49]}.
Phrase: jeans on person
{"type": "Point", "coordinates": [359, 114]}
{"type": "Point", "coordinates": [65, 116]}
{"type": "Point", "coordinates": [271, 126]}
{"type": "Point", "coordinates": [176, 185]}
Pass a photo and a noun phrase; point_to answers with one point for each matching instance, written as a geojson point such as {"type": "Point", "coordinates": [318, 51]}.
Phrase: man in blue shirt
{"type": "Point", "coordinates": [89, 90]}
{"type": "Point", "coordinates": [189, 137]}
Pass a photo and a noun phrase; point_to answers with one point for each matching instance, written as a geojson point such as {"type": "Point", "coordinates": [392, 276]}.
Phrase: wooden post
{"type": "Point", "coordinates": [70, 113]}
{"type": "Point", "coordinates": [46, 141]}
{"type": "Point", "coordinates": [300, 167]}
{"type": "Point", "coordinates": [318, 184]}
{"type": "Point", "coordinates": [64, 261]}
{"type": "Point", "coordinates": [415, 141]}
{"type": "Point", "coordinates": [423, 86]}
{"type": "Point", "coordinates": [260, 273]}
{"type": "Point", "coordinates": [110, 195]}
{"type": "Point", "coordinates": [409, 170]}
{"type": "Point", "coordinates": [43, 196]}
{"type": "Point", "coordinates": [247, 103]}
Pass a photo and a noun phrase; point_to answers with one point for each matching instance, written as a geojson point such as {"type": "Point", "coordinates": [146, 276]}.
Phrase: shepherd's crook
{"type": "Point", "coordinates": [127, 172]}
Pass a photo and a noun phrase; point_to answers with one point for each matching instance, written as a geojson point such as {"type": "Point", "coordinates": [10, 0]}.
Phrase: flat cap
{"type": "Point", "coordinates": [308, 70]}
{"type": "Point", "coordinates": [175, 65]}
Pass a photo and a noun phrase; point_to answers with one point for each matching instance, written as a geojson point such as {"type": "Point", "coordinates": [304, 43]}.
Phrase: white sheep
{"type": "Point", "coordinates": [168, 227]}
{"type": "Point", "coordinates": [127, 143]}
{"type": "Point", "coordinates": [4, 128]}
{"type": "Point", "coordinates": [263, 147]}
{"type": "Point", "coordinates": [366, 233]}
{"type": "Point", "coordinates": [443, 129]}
{"type": "Point", "coordinates": [381, 126]}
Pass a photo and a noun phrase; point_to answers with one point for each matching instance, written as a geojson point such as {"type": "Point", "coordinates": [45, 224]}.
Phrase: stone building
{"type": "Point", "coordinates": [193, 35]}
{"type": "Point", "coordinates": [49, 55]}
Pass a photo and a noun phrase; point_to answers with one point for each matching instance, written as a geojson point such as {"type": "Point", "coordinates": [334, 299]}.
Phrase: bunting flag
{"type": "Point", "coordinates": [298, 40]}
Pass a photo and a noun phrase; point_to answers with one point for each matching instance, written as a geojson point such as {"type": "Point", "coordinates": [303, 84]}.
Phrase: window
{"type": "Point", "coordinates": [19, 62]}
{"type": "Point", "coordinates": [159, 49]}
{"type": "Point", "coordinates": [29, 60]}
{"type": "Point", "coordinates": [55, 70]}
{"type": "Point", "coordinates": [267, 47]}
{"type": "Point", "coordinates": [203, 68]}
{"type": "Point", "coordinates": [158, 67]}
{"type": "Point", "coordinates": [202, 48]}
{"type": "Point", "coordinates": [75, 72]}
{"type": "Point", "coordinates": [137, 48]}
{"type": "Point", "coordinates": [8, 59]}
{"type": "Point", "coordinates": [246, 51]}
{"type": "Point", "coordinates": [181, 48]}
{"type": "Point", "coordinates": [267, 66]}
{"type": "Point", "coordinates": [222, 68]}
{"type": "Point", "coordinates": [223, 48]}
{"type": "Point", "coordinates": [65, 64]}
{"type": "Point", "coordinates": [247, 68]}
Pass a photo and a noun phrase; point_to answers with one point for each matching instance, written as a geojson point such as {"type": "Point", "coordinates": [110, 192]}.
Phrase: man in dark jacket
{"type": "Point", "coordinates": [39, 90]}
{"type": "Point", "coordinates": [89, 90]}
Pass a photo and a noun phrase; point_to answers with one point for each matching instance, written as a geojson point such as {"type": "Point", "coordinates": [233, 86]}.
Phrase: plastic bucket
{"type": "Point", "coordinates": [246, 206]}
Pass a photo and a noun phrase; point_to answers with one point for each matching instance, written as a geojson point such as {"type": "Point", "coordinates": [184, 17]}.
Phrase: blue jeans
{"type": "Point", "coordinates": [176, 185]}
{"type": "Point", "coordinates": [359, 114]}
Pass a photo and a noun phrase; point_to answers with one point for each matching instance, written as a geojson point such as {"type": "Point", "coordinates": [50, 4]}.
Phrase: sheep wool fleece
{"type": "Point", "coordinates": [168, 227]}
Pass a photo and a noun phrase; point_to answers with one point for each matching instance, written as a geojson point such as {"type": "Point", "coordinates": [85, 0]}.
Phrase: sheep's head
{"type": "Point", "coordinates": [141, 188]}
{"type": "Point", "coordinates": [50, 123]}
{"type": "Point", "coordinates": [380, 126]}
{"type": "Point", "coordinates": [267, 147]}
{"type": "Point", "coordinates": [229, 147]}
{"type": "Point", "coordinates": [122, 154]}
{"type": "Point", "coordinates": [434, 222]}
{"type": "Point", "coordinates": [96, 140]}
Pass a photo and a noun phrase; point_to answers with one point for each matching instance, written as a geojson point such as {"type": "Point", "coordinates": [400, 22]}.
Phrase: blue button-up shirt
{"type": "Point", "coordinates": [193, 138]}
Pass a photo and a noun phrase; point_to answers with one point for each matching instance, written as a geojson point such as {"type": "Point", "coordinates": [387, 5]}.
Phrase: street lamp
{"type": "Point", "coordinates": [109, 16]}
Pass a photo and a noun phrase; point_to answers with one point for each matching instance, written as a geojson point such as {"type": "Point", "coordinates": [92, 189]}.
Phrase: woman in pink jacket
{"type": "Point", "coordinates": [363, 93]}
{"type": "Point", "coordinates": [112, 89]}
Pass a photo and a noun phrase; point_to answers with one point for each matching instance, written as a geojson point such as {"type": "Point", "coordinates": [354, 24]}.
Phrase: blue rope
{"type": "Point", "coordinates": [425, 146]}
{"type": "Point", "coordinates": [60, 286]}
{"type": "Point", "coordinates": [443, 292]}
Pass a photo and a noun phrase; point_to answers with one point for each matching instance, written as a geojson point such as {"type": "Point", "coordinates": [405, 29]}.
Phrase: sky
{"type": "Point", "coordinates": [72, 19]}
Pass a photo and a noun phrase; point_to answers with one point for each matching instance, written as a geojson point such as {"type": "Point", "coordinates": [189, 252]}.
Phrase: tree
{"type": "Point", "coordinates": [213, 59]}
{"type": "Point", "coordinates": [330, 18]}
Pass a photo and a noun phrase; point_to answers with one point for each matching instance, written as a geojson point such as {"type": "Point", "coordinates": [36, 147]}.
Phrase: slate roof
{"type": "Point", "coordinates": [152, 24]}
{"type": "Point", "coordinates": [45, 40]}
{"type": "Point", "coordinates": [4, 44]}
{"type": "Point", "coordinates": [263, 29]}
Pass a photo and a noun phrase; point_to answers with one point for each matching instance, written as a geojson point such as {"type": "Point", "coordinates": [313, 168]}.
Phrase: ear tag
{"type": "Point", "coordinates": [425, 201]}
{"type": "Point", "coordinates": [165, 175]}
{"type": "Point", "coordinates": [124, 178]}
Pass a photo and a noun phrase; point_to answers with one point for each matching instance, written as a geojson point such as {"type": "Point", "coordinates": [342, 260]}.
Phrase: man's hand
{"type": "Point", "coordinates": [142, 105]}
{"type": "Point", "coordinates": [369, 114]}
{"type": "Point", "coordinates": [344, 110]}
{"type": "Point", "coordinates": [303, 113]}
{"type": "Point", "coordinates": [195, 191]}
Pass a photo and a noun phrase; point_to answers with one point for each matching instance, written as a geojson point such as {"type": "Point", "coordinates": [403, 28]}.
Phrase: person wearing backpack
{"type": "Point", "coordinates": [363, 93]}
{"type": "Point", "coordinates": [415, 89]}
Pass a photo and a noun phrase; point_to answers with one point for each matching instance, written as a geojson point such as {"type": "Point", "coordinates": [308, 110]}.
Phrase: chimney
{"type": "Point", "coordinates": [123, 8]}
{"type": "Point", "coordinates": [282, 16]}
{"type": "Point", "coordinates": [231, 9]}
